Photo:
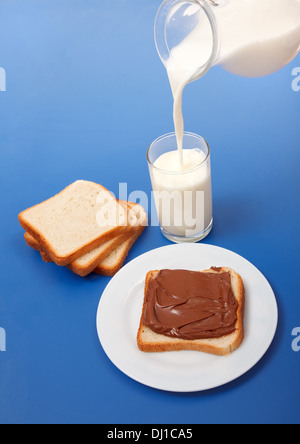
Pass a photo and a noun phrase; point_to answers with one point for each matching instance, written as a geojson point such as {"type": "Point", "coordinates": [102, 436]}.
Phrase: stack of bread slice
{"type": "Point", "coordinates": [84, 228]}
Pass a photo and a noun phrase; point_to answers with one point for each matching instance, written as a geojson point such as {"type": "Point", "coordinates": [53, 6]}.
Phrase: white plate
{"type": "Point", "coordinates": [120, 311]}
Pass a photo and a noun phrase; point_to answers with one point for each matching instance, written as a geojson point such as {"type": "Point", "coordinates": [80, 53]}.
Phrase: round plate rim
{"type": "Point", "coordinates": [178, 389]}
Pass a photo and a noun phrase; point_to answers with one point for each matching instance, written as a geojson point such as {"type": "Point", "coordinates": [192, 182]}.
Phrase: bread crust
{"type": "Point", "coordinates": [82, 271]}
{"type": "Point", "coordinates": [97, 265]}
{"type": "Point", "coordinates": [151, 342]}
{"type": "Point", "coordinates": [111, 271]}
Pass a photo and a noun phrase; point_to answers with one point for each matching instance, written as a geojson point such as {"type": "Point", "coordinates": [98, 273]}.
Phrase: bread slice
{"type": "Point", "coordinates": [149, 341]}
{"type": "Point", "coordinates": [74, 222]}
{"type": "Point", "coordinates": [111, 254]}
{"type": "Point", "coordinates": [84, 265]}
{"type": "Point", "coordinates": [87, 263]}
{"type": "Point", "coordinates": [115, 261]}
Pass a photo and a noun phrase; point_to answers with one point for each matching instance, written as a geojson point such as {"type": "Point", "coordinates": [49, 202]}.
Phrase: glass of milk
{"type": "Point", "coordinates": [182, 188]}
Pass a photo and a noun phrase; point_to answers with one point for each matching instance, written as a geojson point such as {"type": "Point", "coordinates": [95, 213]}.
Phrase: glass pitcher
{"type": "Point", "coordinates": [251, 39]}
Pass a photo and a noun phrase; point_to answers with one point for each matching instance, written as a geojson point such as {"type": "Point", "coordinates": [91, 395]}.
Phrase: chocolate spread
{"type": "Point", "coordinates": [190, 305]}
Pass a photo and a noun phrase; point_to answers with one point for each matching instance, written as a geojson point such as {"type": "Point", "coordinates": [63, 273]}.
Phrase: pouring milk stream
{"type": "Point", "coordinates": [250, 38]}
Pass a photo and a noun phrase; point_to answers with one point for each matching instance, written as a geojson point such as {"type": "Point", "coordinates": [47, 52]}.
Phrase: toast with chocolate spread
{"type": "Point", "coordinates": [188, 310]}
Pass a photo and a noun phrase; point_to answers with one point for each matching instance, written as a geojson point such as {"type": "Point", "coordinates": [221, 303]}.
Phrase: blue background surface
{"type": "Point", "coordinates": [86, 95]}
